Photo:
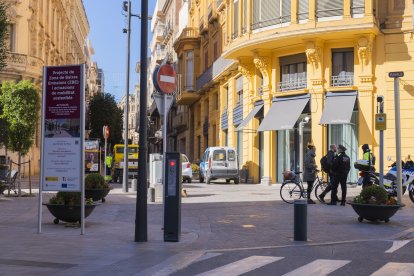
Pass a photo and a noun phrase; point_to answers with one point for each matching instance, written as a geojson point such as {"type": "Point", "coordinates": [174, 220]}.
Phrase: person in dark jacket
{"type": "Point", "coordinates": [340, 168]}
{"type": "Point", "coordinates": [330, 157]}
{"type": "Point", "coordinates": [309, 167]}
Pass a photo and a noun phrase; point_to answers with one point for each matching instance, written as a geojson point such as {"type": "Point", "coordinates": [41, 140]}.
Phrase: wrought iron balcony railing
{"type": "Point", "coordinates": [292, 84]}
{"type": "Point", "coordinates": [343, 80]}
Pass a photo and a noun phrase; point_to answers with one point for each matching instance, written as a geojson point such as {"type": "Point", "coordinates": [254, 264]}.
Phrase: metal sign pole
{"type": "Point", "coordinates": [42, 144]}
{"type": "Point", "coordinates": [104, 162]}
{"type": "Point", "coordinates": [82, 142]}
{"type": "Point", "coordinates": [381, 149]}
{"type": "Point", "coordinates": [164, 137]}
{"type": "Point", "coordinates": [398, 138]}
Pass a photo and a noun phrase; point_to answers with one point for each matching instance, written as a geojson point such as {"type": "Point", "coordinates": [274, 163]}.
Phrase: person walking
{"type": "Point", "coordinates": [366, 155]}
{"type": "Point", "coordinates": [309, 167]}
{"type": "Point", "coordinates": [330, 156]}
{"type": "Point", "coordinates": [340, 168]}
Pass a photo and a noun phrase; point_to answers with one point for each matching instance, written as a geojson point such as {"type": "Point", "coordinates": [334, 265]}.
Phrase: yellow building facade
{"type": "Point", "coordinates": [271, 76]}
{"type": "Point", "coordinates": [44, 33]}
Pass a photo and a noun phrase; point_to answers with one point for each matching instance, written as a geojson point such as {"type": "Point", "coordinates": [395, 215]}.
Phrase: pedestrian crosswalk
{"type": "Point", "coordinates": [318, 267]}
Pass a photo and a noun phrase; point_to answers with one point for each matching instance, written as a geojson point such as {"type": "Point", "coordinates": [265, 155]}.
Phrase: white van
{"type": "Point", "coordinates": [219, 162]}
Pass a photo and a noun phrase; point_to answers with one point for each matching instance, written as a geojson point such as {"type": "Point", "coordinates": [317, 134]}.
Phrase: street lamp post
{"type": "Point", "coordinates": [126, 8]}
{"type": "Point", "coordinates": [301, 124]}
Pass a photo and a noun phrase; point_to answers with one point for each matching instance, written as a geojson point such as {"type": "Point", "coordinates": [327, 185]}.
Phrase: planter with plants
{"type": "Point", "coordinates": [373, 204]}
{"type": "Point", "coordinates": [66, 206]}
{"type": "Point", "coordinates": [96, 187]}
{"type": "Point", "coordinates": [196, 171]}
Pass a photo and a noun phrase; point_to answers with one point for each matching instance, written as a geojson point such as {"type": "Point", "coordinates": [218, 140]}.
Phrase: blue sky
{"type": "Point", "coordinates": [106, 22]}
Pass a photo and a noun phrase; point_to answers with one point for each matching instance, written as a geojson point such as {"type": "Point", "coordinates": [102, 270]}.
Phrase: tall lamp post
{"type": "Point", "coordinates": [301, 125]}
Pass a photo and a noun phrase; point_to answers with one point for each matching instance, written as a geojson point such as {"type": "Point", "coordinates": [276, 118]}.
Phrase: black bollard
{"type": "Point", "coordinates": [300, 220]}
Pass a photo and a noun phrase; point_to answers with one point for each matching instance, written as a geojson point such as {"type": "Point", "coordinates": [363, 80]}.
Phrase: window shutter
{"type": "Point", "coordinates": [285, 11]}
{"type": "Point", "coordinates": [270, 12]}
{"type": "Point", "coordinates": [357, 7]}
{"type": "Point", "coordinates": [303, 12]}
{"type": "Point", "coordinates": [328, 8]}
{"type": "Point", "coordinates": [236, 18]}
{"type": "Point", "coordinates": [256, 14]}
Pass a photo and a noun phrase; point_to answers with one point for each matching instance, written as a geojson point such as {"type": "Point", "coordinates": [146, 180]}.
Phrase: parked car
{"type": "Point", "coordinates": [187, 172]}
{"type": "Point", "coordinates": [219, 162]}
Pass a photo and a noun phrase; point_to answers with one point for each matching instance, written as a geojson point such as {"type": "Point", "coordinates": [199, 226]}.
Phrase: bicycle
{"type": "Point", "coordinates": [293, 189]}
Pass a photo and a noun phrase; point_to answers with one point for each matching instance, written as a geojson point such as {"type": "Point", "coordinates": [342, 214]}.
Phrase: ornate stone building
{"type": "Point", "coordinates": [44, 32]}
{"type": "Point", "coordinates": [264, 76]}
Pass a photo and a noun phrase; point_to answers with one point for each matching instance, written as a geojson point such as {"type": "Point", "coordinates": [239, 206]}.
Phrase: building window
{"type": "Point", "coordinates": [292, 76]}
{"type": "Point", "coordinates": [357, 7]}
{"type": "Point", "coordinates": [216, 101]}
{"type": "Point", "coordinates": [189, 76]}
{"type": "Point", "coordinates": [342, 67]}
{"type": "Point", "coordinates": [239, 91]}
{"type": "Point", "coordinates": [11, 42]}
{"type": "Point", "coordinates": [199, 146]}
{"type": "Point", "coordinates": [240, 147]}
{"type": "Point", "coordinates": [270, 12]}
{"type": "Point", "coordinates": [215, 50]}
{"type": "Point", "coordinates": [226, 137]}
{"type": "Point", "coordinates": [227, 97]}
{"type": "Point", "coordinates": [329, 8]}
{"type": "Point", "coordinates": [235, 19]}
{"type": "Point", "coordinates": [205, 58]}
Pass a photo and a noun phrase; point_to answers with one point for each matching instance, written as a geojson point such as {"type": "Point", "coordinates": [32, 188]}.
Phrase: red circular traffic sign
{"type": "Point", "coordinates": [167, 79]}
{"type": "Point", "coordinates": [106, 132]}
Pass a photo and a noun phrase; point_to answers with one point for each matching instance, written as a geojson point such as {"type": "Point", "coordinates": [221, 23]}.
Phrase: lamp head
{"type": "Point", "coordinates": [125, 6]}
{"type": "Point", "coordinates": [306, 119]}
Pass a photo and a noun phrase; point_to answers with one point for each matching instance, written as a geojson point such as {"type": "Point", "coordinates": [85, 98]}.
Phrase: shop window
{"type": "Point", "coordinates": [342, 67]}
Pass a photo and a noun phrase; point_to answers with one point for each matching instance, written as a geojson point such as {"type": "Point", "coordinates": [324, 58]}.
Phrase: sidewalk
{"type": "Point", "coordinates": [216, 216]}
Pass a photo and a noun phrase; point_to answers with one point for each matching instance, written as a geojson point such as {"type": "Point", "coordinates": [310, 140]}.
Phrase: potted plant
{"type": "Point", "coordinates": [66, 206]}
{"type": "Point", "coordinates": [96, 187]}
{"type": "Point", "coordinates": [374, 204]}
{"type": "Point", "coordinates": [196, 171]}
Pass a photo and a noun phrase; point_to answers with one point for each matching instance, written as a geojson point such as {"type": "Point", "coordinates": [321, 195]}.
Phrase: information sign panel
{"type": "Point", "coordinates": [63, 124]}
{"type": "Point", "coordinates": [380, 121]}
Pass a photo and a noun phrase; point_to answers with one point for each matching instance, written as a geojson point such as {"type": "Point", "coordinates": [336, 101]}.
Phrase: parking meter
{"type": "Point", "coordinates": [172, 197]}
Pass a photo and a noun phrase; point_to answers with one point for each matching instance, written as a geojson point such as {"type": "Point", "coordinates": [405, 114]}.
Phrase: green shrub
{"type": "Point", "coordinates": [374, 195]}
{"type": "Point", "coordinates": [68, 198]}
{"type": "Point", "coordinates": [95, 181]}
{"type": "Point", "coordinates": [195, 168]}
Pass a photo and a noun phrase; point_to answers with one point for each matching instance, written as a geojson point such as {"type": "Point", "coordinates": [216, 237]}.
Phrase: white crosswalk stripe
{"type": "Point", "coordinates": [318, 268]}
{"type": "Point", "coordinates": [396, 245]}
{"type": "Point", "coordinates": [395, 269]}
{"type": "Point", "coordinates": [242, 266]}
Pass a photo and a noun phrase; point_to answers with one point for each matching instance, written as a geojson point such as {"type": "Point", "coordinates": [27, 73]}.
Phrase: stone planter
{"type": "Point", "coordinates": [374, 212]}
{"type": "Point", "coordinates": [97, 194]}
{"type": "Point", "coordinates": [68, 213]}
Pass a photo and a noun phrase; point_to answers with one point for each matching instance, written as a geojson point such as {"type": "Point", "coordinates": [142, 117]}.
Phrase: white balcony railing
{"type": "Point", "coordinates": [342, 80]}
{"type": "Point", "coordinates": [292, 84]}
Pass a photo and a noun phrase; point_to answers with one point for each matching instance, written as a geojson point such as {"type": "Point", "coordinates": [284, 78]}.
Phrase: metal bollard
{"type": "Point", "coordinates": [300, 219]}
{"type": "Point", "coordinates": [134, 184]}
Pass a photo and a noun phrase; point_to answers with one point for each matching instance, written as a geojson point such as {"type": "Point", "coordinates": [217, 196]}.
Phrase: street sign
{"type": "Point", "coordinates": [380, 121]}
{"type": "Point", "coordinates": [163, 103]}
{"type": "Point", "coordinates": [167, 79]}
{"type": "Point", "coordinates": [106, 132]}
{"type": "Point", "coordinates": [155, 78]}
{"type": "Point", "coordinates": [398, 74]}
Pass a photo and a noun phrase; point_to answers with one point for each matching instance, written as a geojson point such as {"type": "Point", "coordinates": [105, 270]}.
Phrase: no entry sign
{"type": "Point", "coordinates": [167, 79]}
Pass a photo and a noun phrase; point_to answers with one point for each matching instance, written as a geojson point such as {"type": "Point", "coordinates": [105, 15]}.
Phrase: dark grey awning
{"type": "Point", "coordinates": [284, 113]}
{"type": "Point", "coordinates": [246, 120]}
{"type": "Point", "coordinates": [338, 108]}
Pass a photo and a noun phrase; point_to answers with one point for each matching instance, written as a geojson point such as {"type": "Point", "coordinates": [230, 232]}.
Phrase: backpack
{"type": "Point", "coordinates": [324, 164]}
{"type": "Point", "coordinates": [373, 159]}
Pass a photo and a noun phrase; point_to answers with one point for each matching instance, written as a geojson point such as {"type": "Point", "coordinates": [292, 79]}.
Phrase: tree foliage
{"type": "Point", "coordinates": [3, 35]}
{"type": "Point", "coordinates": [104, 111]}
{"type": "Point", "coordinates": [21, 104]}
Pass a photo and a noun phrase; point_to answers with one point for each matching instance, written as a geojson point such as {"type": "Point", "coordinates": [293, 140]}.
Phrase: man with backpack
{"type": "Point", "coordinates": [326, 165]}
{"type": "Point", "coordinates": [340, 168]}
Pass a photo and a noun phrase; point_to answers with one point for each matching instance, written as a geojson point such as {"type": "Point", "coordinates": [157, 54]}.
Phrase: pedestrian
{"type": "Point", "coordinates": [330, 156]}
{"type": "Point", "coordinates": [309, 167]}
{"type": "Point", "coordinates": [340, 169]}
{"type": "Point", "coordinates": [366, 155]}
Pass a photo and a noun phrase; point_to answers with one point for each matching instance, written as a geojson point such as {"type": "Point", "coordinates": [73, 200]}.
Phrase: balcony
{"type": "Point", "coordinates": [294, 84]}
{"type": "Point", "coordinates": [343, 80]}
{"type": "Point", "coordinates": [186, 94]}
{"type": "Point", "coordinates": [215, 70]}
{"type": "Point", "coordinates": [212, 14]}
{"type": "Point", "coordinates": [159, 32]}
{"type": "Point", "coordinates": [159, 54]}
{"type": "Point", "coordinates": [180, 121]}
{"type": "Point", "coordinates": [203, 28]}
{"type": "Point", "coordinates": [24, 65]}
{"type": "Point", "coordinates": [187, 35]}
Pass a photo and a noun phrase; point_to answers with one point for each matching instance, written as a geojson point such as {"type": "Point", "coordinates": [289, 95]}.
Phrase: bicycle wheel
{"type": "Point", "coordinates": [290, 191]}
{"type": "Point", "coordinates": [319, 188]}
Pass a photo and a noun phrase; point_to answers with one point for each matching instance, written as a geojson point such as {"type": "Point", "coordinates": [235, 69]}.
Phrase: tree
{"type": "Point", "coordinates": [104, 111]}
{"type": "Point", "coordinates": [21, 105]}
{"type": "Point", "coordinates": [4, 23]}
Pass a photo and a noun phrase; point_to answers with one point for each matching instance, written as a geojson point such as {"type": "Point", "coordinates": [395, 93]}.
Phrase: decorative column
{"type": "Point", "coordinates": [263, 62]}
